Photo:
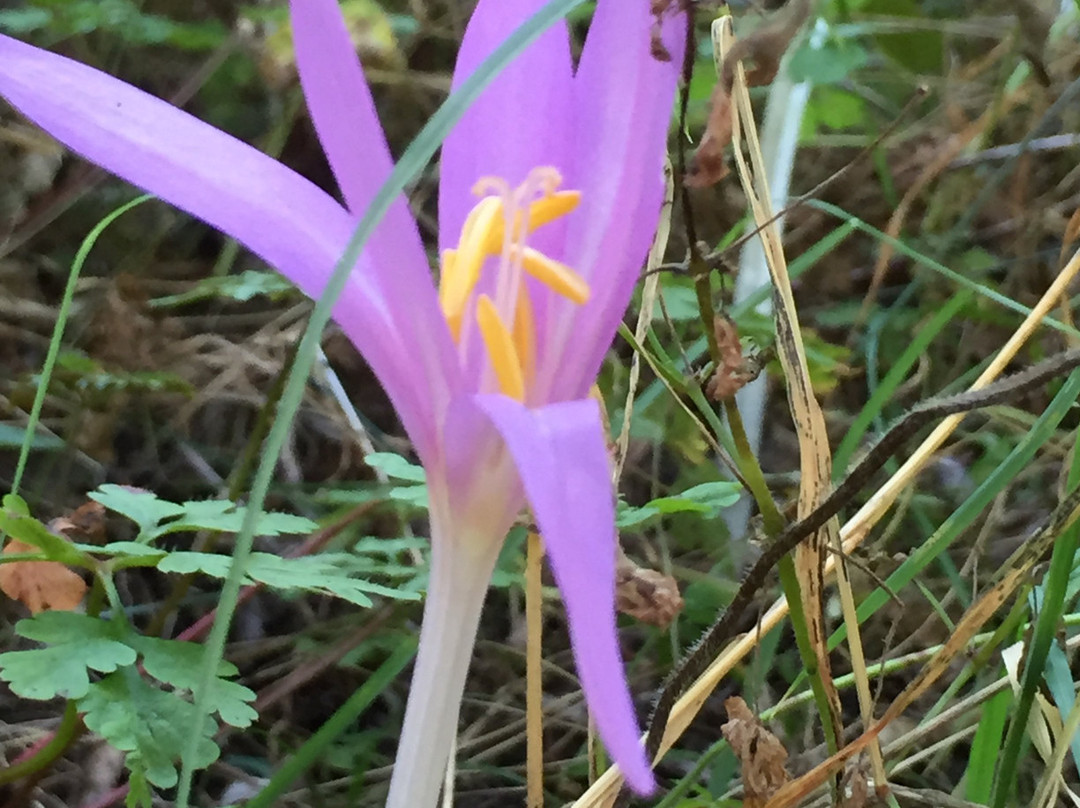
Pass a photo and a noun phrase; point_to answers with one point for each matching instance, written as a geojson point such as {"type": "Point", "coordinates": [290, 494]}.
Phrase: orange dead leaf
{"type": "Point", "coordinates": [86, 523]}
{"type": "Point", "coordinates": [707, 166]}
{"type": "Point", "coordinates": [41, 585]}
{"type": "Point", "coordinates": [735, 370]}
{"type": "Point", "coordinates": [761, 52]}
{"type": "Point", "coordinates": [760, 753]}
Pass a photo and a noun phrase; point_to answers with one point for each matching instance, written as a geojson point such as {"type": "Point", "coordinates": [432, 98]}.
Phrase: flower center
{"type": "Point", "coordinates": [498, 226]}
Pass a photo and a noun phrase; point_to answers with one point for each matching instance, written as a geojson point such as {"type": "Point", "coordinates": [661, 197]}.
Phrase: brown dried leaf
{"type": "Point", "coordinates": [646, 595]}
{"type": "Point", "coordinates": [735, 370]}
{"type": "Point", "coordinates": [658, 8]}
{"type": "Point", "coordinates": [40, 585]}
{"type": "Point", "coordinates": [707, 166]}
{"type": "Point", "coordinates": [763, 49]}
{"type": "Point", "coordinates": [855, 785]}
{"type": "Point", "coordinates": [761, 53]}
{"type": "Point", "coordinates": [1072, 233]}
{"type": "Point", "coordinates": [86, 523]}
{"type": "Point", "coordinates": [760, 753]}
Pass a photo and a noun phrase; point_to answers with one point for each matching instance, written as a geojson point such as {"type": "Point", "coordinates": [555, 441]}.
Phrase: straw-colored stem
{"type": "Point", "coordinates": [534, 691]}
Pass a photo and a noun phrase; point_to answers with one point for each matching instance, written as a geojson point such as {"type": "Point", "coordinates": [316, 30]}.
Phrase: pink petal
{"type": "Point", "coordinates": [276, 213]}
{"type": "Point", "coordinates": [343, 113]}
{"type": "Point", "coordinates": [623, 102]}
{"type": "Point", "coordinates": [344, 116]}
{"type": "Point", "coordinates": [561, 456]}
{"type": "Point", "coordinates": [520, 120]}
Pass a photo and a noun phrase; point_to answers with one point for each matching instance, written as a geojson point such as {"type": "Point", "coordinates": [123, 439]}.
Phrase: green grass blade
{"type": "Point", "coordinates": [342, 719]}
{"type": "Point", "coordinates": [893, 379]}
{"type": "Point", "coordinates": [940, 268]}
{"type": "Point", "coordinates": [1054, 586]}
{"type": "Point", "coordinates": [58, 333]}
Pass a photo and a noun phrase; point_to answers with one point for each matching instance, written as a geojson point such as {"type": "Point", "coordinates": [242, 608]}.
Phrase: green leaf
{"type": "Point", "coordinates": [834, 108]}
{"type": "Point", "coordinates": [157, 517]}
{"type": "Point", "coordinates": [177, 663]}
{"type": "Point", "coordinates": [226, 516]}
{"type": "Point", "coordinates": [829, 63]}
{"type": "Point", "coordinates": [325, 574]}
{"type": "Point", "coordinates": [24, 20]}
{"type": "Point", "coordinates": [707, 499]}
{"type": "Point", "coordinates": [921, 51]}
{"type": "Point", "coordinates": [413, 496]}
{"type": "Point", "coordinates": [142, 507]}
{"type": "Point", "coordinates": [149, 724]}
{"type": "Point", "coordinates": [395, 467]}
{"type": "Point", "coordinates": [715, 496]}
{"type": "Point", "coordinates": [11, 436]}
{"type": "Point", "coordinates": [139, 794]}
{"type": "Point", "coordinates": [241, 288]}
{"type": "Point", "coordinates": [76, 642]}
{"type": "Point", "coordinates": [30, 530]}
{"type": "Point", "coordinates": [986, 748]}
{"type": "Point", "coordinates": [680, 301]}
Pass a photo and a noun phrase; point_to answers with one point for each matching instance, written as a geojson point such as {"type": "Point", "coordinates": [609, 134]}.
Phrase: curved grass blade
{"type": "Point", "coordinates": [58, 332]}
{"type": "Point", "coordinates": [408, 167]}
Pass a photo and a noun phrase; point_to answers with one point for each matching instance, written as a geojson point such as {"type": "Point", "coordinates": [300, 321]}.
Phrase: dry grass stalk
{"type": "Point", "coordinates": [852, 534]}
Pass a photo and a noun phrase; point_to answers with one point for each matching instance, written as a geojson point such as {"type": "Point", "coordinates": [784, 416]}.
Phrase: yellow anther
{"type": "Point", "coordinates": [457, 280]}
{"type": "Point", "coordinates": [551, 207]}
{"type": "Point", "coordinates": [500, 348]}
{"type": "Point", "coordinates": [525, 335]}
{"type": "Point", "coordinates": [544, 210]}
{"type": "Point", "coordinates": [553, 274]}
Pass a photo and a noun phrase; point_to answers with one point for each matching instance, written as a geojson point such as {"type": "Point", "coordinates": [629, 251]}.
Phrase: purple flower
{"type": "Point", "coordinates": [549, 195]}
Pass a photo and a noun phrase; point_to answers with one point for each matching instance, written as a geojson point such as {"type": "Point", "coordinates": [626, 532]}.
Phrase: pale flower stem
{"type": "Point", "coordinates": [459, 581]}
{"type": "Point", "coordinates": [448, 777]}
{"type": "Point", "coordinates": [534, 691]}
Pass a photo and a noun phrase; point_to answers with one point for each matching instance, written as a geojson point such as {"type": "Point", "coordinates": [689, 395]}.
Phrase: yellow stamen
{"type": "Point", "coordinates": [457, 284]}
{"type": "Point", "coordinates": [446, 269]}
{"type": "Point", "coordinates": [500, 348]}
{"type": "Point", "coordinates": [553, 274]}
{"type": "Point", "coordinates": [525, 335]}
{"type": "Point", "coordinates": [544, 210]}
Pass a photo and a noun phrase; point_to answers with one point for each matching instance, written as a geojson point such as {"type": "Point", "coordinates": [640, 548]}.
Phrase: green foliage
{"type": "Point", "coordinates": [240, 288]}
{"type": "Point", "coordinates": [412, 495]}
{"type": "Point", "coordinates": [156, 517]}
{"type": "Point", "coordinates": [96, 384]}
{"type": "Point", "coordinates": [921, 51]}
{"type": "Point", "coordinates": [12, 437]}
{"type": "Point", "coordinates": [132, 713]}
{"type": "Point", "coordinates": [176, 663]}
{"type": "Point", "coordinates": [151, 725]}
{"type": "Point", "coordinates": [76, 643]}
{"type": "Point", "coordinates": [707, 499]}
{"type": "Point", "coordinates": [16, 523]}
{"type": "Point", "coordinates": [828, 63]}
{"type": "Point", "coordinates": [832, 108]}
{"type": "Point", "coordinates": [324, 574]}
{"type": "Point", "coordinates": [67, 18]}
{"type": "Point", "coordinates": [395, 467]}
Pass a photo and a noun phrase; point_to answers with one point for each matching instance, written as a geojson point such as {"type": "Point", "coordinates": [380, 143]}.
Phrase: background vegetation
{"type": "Point", "coordinates": [953, 212]}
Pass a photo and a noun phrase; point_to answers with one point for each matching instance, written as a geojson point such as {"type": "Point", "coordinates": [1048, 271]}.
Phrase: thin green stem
{"type": "Point", "coordinates": [69, 728]}
{"type": "Point", "coordinates": [345, 717]}
{"type": "Point", "coordinates": [1055, 586]}
{"type": "Point", "coordinates": [58, 334]}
